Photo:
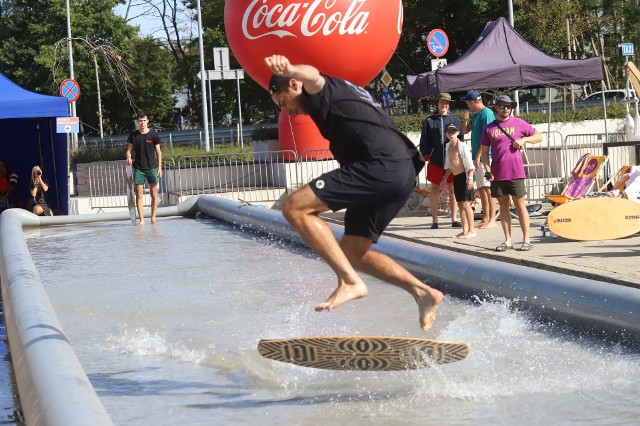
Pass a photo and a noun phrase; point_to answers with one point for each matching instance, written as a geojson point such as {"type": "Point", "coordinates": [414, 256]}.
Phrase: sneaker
{"type": "Point", "coordinates": [456, 224]}
{"type": "Point", "coordinates": [434, 226]}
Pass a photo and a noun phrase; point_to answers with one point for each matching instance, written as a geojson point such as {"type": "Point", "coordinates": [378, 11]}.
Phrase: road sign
{"type": "Point", "coordinates": [386, 78]}
{"type": "Point", "coordinates": [223, 75]}
{"type": "Point", "coordinates": [626, 49]}
{"type": "Point", "coordinates": [70, 89]}
{"type": "Point", "coordinates": [437, 42]}
{"type": "Point", "coordinates": [221, 58]}
{"type": "Point", "coordinates": [438, 63]}
{"type": "Point", "coordinates": [67, 124]}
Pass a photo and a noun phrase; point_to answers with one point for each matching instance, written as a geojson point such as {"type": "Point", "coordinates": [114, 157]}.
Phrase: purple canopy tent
{"type": "Point", "coordinates": [502, 58]}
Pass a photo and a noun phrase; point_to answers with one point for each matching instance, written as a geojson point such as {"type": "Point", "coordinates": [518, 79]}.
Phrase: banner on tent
{"type": "Point", "coordinates": [67, 124]}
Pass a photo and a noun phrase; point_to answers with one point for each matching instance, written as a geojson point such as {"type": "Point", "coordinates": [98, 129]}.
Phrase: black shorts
{"type": "Point", "coordinates": [373, 192]}
{"type": "Point", "coordinates": [514, 187]}
{"type": "Point", "coordinates": [460, 188]}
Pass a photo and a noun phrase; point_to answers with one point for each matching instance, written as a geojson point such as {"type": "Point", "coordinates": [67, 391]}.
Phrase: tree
{"type": "Point", "coordinates": [31, 61]}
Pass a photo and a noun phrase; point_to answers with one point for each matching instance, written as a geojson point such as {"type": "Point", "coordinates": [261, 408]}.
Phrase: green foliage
{"type": "Point", "coordinates": [91, 154]}
{"type": "Point", "coordinates": [265, 133]}
{"type": "Point", "coordinates": [413, 122]}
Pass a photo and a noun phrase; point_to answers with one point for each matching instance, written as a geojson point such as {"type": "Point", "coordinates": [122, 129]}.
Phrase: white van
{"type": "Point", "coordinates": [615, 95]}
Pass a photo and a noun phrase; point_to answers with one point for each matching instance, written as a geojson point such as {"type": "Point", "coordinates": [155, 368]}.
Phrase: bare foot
{"type": "Point", "coordinates": [467, 235]}
{"type": "Point", "coordinates": [487, 226]}
{"type": "Point", "coordinates": [141, 223]}
{"type": "Point", "coordinates": [427, 304]}
{"type": "Point", "coordinates": [342, 294]}
{"type": "Point", "coordinates": [153, 220]}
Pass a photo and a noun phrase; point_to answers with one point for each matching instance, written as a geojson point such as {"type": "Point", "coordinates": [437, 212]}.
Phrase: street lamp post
{"type": "Point", "coordinates": [74, 136]}
{"type": "Point", "coordinates": [203, 87]}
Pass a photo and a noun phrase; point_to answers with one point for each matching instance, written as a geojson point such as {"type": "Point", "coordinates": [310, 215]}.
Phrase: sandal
{"type": "Point", "coordinates": [525, 247]}
{"type": "Point", "coordinates": [503, 247]}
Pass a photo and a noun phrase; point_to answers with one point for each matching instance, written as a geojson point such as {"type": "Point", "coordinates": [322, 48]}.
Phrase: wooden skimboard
{"type": "Point", "coordinates": [597, 218]}
{"type": "Point", "coordinates": [363, 353]}
{"type": "Point", "coordinates": [131, 198]}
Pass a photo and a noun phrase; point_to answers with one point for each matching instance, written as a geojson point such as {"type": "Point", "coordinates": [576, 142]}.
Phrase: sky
{"type": "Point", "coordinates": [148, 25]}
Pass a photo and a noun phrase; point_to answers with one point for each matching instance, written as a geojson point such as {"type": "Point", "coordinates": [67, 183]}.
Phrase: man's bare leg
{"type": "Point", "coordinates": [434, 201]}
{"type": "Point", "coordinates": [153, 190]}
{"type": "Point", "coordinates": [358, 251]}
{"type": "Point", "coordinates": [140, 202]}
{"type": "Point", "coordinates": [488, 209]}
{"type": "Point", "coordinates": [505, 219]}
{"type": "Point", "coordinates": [523, 217]}
{"type": "Point", "coordinates": [301, 209]}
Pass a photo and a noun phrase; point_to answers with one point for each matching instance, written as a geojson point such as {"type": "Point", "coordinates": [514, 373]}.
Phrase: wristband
{"type": "Point", "coordinates": [488, 175]}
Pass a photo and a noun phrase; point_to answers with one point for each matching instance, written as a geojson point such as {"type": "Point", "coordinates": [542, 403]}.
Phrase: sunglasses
{"type": "Point", "coordinates": [504, 106]}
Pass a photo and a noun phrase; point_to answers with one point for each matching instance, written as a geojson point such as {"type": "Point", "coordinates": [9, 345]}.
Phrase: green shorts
{"type": "Point", "coordinates": [514, 187]}
{"type": "Point", "coordinates": [139, 175]}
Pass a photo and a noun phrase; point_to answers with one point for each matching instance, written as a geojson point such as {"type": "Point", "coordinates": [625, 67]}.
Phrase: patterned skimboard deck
{"type": "Point", "coordinates": [363, 353]}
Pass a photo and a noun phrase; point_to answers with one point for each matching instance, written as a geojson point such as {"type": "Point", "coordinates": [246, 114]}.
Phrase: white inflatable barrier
{"type": "Point", "coordinates": [52, 385]}
{"type": "Point", "coordinates": [595, 306]}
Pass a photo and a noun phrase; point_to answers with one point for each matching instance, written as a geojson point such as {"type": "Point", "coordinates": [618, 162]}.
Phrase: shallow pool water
{"type": "Point", "coordinates": [165, 320]}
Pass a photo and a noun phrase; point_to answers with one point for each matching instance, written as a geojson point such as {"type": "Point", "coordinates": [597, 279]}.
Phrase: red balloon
{"type": "Point", "coordinates": [350, 39]}
{"type": "Point", "coordinates": [299, 133]}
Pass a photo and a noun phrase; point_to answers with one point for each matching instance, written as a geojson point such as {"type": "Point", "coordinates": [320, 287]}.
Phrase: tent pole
{"type": "Point", "coordinates": [55, 169]}
{"type": "Point", "coordinates": [604, 108]}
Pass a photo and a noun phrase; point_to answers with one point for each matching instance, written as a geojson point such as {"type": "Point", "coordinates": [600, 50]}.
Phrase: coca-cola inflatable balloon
{"type": "Point", "coordinates": [350, 39]}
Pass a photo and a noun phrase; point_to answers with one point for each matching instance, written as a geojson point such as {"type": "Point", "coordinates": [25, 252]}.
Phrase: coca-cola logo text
{"type": "Point", "coordinates": [311, 18]}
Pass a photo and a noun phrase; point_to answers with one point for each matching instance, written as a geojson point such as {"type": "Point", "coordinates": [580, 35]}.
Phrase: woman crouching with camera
{"type": "Point", "coordinates": [38, 187]}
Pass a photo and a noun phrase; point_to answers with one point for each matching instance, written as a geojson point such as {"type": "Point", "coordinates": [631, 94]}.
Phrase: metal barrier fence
{"type": "Point", "coordinates": [267, 177]}
{"type": "Point", "coordinates": [108, 185]}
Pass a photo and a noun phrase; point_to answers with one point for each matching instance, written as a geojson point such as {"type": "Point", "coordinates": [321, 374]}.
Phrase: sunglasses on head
{"type": "Point", "coordinates": [504, 106]}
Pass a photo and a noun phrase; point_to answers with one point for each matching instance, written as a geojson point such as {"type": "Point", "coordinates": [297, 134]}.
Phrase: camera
{"type": "Point", "coordinates": [38, 173]}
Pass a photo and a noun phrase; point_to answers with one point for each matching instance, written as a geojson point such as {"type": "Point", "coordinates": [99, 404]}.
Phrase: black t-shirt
{"type": "Point", "coordinates": [144, 145]}
{"type": "Point", "coordinates": [356, 127]}
{"type": "Point", "coordinates": [39, 198]}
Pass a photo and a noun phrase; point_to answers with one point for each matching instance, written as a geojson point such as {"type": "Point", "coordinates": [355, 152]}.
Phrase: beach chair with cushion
{"type": "Point", "coordinates": [583, 178]}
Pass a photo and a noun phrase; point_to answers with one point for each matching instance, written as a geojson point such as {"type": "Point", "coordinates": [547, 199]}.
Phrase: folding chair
{"type": "Point", "coordinates": [583, 179]}
{"type": "Point", "coordinates": [614, 181]}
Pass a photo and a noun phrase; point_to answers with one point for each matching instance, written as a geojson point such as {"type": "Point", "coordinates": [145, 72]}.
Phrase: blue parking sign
{"type": "Point", "coordinates": [626, 49]}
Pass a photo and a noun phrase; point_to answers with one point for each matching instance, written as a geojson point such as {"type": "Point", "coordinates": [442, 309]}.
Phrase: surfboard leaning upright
{"type": "Point", "coordinates": [131, 198]}
{"type": "Point", "coordinates": [363, 353]}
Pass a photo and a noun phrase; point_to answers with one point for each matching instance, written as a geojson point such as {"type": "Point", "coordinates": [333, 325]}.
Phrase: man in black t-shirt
{"type": "Point", "coordinates": [147, 165]}
{"type": "Point", "coordinates": [378, 166]}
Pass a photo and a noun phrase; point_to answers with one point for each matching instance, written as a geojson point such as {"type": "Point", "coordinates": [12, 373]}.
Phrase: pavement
{"type": "Point", "coordinates": [611, 261]}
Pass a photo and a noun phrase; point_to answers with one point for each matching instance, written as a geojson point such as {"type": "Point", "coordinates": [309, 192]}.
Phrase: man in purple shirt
{"type": "Point", "coordinates": [506, 137]}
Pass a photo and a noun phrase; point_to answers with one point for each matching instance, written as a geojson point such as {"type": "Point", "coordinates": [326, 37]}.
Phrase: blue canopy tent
{"type": "Point", "coordinates": [28, 137]}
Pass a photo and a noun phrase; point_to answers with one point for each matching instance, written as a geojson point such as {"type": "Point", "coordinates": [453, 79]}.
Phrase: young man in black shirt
{"type": "Point", "coordinates": [147, 165]}
{"type": "Point", "coordinates": [378, 166]}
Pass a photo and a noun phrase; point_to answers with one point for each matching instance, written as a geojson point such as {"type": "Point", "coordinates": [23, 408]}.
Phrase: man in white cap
{"type": "Point", "coordinates": [482, 116]}
{"type": "Point", "coordinates": [506, 136]}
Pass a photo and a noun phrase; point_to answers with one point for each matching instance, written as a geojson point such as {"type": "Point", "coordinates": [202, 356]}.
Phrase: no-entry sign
{"type": "Point", "coordinates": [70, 89]}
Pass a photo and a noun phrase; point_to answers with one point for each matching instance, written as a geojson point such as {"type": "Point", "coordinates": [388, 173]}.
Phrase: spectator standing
{"type": "Point", "coordinates": [459, 163]}
{"type": "Point", "coordinates": [506, 136]}
{"type": "Point", "coordinates": [432, 147]}
{"type": "Point", "coordinates": [482, 116]}
{"type": "Point", "coordinates": [147, 165]}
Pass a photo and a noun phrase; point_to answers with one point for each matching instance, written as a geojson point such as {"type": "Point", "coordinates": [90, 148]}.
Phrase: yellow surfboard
{"type": "Point", "coordinates": [363, 353]}
{"type": "Point", "coordinates": [597, 218]}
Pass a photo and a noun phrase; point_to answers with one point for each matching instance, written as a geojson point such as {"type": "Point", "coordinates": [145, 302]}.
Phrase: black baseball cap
{"type": "Point", "coordinates": [451, 127]}
{"type": "Point", "coordinates": [277, 82]}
